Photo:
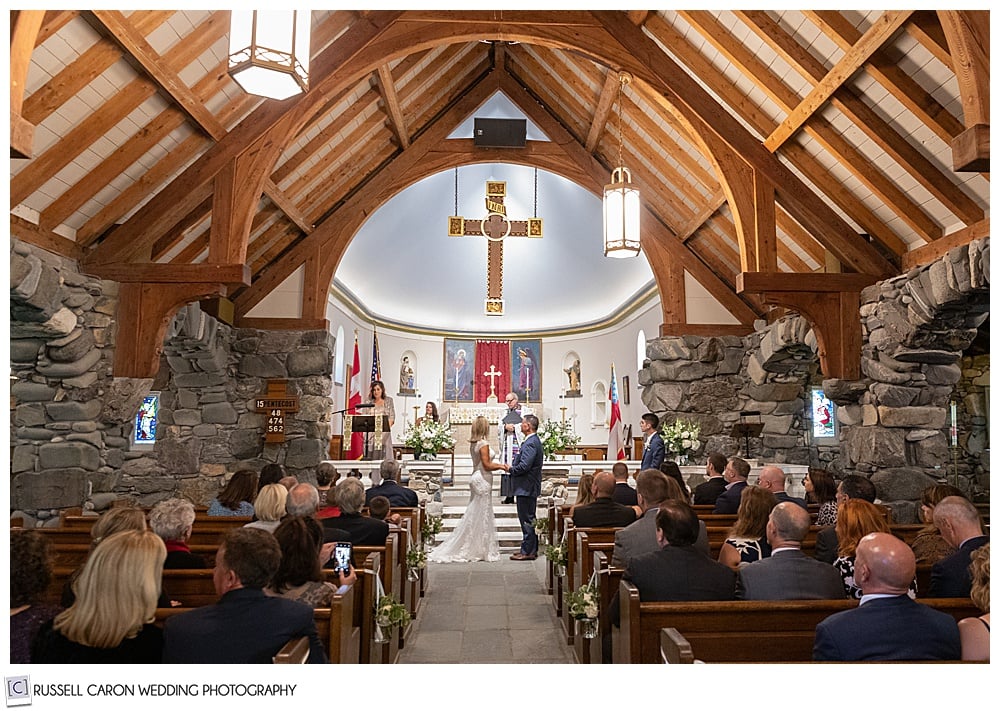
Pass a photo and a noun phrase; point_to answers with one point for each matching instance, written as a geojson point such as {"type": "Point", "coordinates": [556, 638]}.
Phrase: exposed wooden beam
{"type": "Point", "coordinates": [49, 241]}
{"type": "Point", "coordinates": [131, 272]}
{"type": "Point", "coordinates": [935, 250]}
{"type": "Point", "coordinates": [604, 105]}
{"type": "Point", "coordinates": [24, 26]}
{"type": "Point", "coordinates": [968, 35]}
{"type": "Point", "coordinates": [387, 89]}
{"type": "Point", "coordinates": [926, 29]}
{"type": "Point", "coordinates": [284, 324]}
{"type": "Point", "coordinates": [706, 330]}
{"type": "Point", "coordinates": [877, 35]}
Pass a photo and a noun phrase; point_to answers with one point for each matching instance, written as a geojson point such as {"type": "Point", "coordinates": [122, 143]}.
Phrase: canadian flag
{"type": "Point", "coordinates": [616, 439]}
{"type": "Point", "coordinates": [357, 438]}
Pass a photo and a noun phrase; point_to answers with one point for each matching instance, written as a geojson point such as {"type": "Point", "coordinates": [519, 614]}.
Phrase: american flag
{"type": "Point", "coordinates": [376, 362]}
{"type": "Point", "coordinates": [616, 440]}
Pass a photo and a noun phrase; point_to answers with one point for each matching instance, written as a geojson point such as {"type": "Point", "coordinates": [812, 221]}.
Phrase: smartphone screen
{"type": "Point", "coordinates": [342, 556]}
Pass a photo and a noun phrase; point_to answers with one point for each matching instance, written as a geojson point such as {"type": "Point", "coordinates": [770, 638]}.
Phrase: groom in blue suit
{"type": "Point", "coordinates": [526, 479]}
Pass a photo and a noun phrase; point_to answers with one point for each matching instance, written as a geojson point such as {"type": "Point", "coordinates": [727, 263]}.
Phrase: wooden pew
{"type": "Point", "coordinates": [734, 631]}
{"type": "Point", "coordinates": [589, 543]}
{"type": "Point", "coordinates": [295, 651]}
{"type": "Point", "coordinates": [608, 578]}
{"type": "Point", "coordinates": [380, 561]}
{"type": "Point", "coordinates": [674, 648]}
{"type": "Point", "coordinates": [574, 564]}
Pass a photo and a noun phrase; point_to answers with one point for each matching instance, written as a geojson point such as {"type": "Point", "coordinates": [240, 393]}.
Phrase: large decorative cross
{"type": "Point", "coordinates": [492, 374]}
{"type": "Point", "coordinates": [494, 228]}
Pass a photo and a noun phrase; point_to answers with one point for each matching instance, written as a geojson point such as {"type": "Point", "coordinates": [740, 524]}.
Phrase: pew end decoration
{"type": "Point", "coordinates": [558, 557]}
{"type": "Point", "coordinates": [416, 560]}
{"type": "Point", "coordinates": [428, 438]}
{"type": "Point", "coordinates": [389, 614]}
{"type": "Point", "coordinates": [584, 605]}
{"type": "Point", "coordinates": [556, 436]}
{"type": "Point", "coordinates": [541, 526]}
{"type": "Point", "coordinates": [432, 526]}
{"type": "Point", "coordinates": [680, 439]}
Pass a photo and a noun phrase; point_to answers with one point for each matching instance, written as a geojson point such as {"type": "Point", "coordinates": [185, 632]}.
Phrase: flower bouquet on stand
{"type": "Point", "coordinates": [428, 438]}
{"type": "Point", "coordinates": [389, 614]}
{"type": "Point", "coordinates": [555, 436]}
{"type": "Point", "coordinates": [416, 560]}
{"type": "Point", "coordinates": [680, 439]}
{"type": "Point", "coordinates": [557, 556]}
{"type": "Point", "coordinates": [431, 527]}
{"type": "Point", "coordinates": [584, 605]}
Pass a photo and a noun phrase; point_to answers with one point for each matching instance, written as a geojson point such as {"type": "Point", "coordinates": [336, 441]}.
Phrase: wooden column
{"type": "Point", "coordinates": [968, 35]}
{"type": "Point", "coordinates": [829, 301]}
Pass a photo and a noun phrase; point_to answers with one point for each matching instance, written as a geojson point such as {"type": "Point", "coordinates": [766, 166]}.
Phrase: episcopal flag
{"type": "Point", "coordinates": [357, 449]}
{"type": "Point", "coordinates": [376, 362]}
{"type": "Point", "coordinates": [616, 440]}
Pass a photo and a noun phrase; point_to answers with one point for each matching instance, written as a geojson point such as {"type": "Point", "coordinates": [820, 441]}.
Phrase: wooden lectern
{"type": "Point", "coordinates": [375, 424]}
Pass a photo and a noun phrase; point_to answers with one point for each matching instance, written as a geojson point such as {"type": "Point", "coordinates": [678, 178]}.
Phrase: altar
{"type": "Point", "coordinates": [461, 415]}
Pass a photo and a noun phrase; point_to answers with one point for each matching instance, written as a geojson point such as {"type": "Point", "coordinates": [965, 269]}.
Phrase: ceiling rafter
{"type": "Point", "coordinates": [387, 89]}
{"type": "Point", "coordinates": [605, 103]}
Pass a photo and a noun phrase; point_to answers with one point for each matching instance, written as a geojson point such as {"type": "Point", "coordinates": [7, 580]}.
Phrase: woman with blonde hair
{"type": "Point", "coordinates": [116, 596]}
{"type": "Point", "coordinates": [856, 518]}
{"type": "Point", "coordinates": [584, 492]}
{"type": "Point", "coordinates": [475, 536]}
{"type": "Point", "coordinates": [269, 507]}
{"type": "Point", "coordinates": [116, 520]}
{"type": "Point", "coordinates": [747, 540]}
{"type": "Point", "coordinates": [975, 631]}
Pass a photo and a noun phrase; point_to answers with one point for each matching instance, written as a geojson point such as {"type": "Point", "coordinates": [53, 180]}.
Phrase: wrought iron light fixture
{"type": "Point", "coordinates": [269, 51]}
{"type": "Point", "coordinates": [621, 200]}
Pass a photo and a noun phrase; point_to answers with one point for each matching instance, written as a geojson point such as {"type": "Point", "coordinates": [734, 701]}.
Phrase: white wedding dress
{"type": "Point", "coordinates": [475, 536]}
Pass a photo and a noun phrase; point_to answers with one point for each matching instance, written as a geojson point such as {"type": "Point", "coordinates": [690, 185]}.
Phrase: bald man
{"type": "Point", "coordinates": [788, 574]}
{"type": "Point", "coordinates": [773, 479]}
{"type": "Point", "coordinates": [958, 521]}
{"type": "Point", "coordinates": [887, 625]}
{"type": "Point", "coordinates": [604, 512]}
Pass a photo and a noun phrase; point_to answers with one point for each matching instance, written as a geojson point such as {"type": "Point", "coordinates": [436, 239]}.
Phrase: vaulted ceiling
{"type": "Point", "coordinates": [143, 148]}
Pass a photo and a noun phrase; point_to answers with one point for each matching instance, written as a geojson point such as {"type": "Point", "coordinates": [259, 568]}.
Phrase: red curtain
{"type": "Point", "coordinates": [496, 354]}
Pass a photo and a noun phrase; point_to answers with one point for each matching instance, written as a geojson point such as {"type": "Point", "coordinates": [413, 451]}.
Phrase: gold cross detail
{"type": "Point", "coordinates": [495, 228]}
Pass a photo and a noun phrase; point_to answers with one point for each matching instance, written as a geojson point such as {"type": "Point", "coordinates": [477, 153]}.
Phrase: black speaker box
{"type": "Point", "coordinates": [500, 133]}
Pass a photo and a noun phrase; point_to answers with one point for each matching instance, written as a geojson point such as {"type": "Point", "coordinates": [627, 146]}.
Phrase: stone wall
{"type": "Point", "coordinates": [710, 380]}
{"type": "Point", "coordinates": [72, 422]}
{"type": "Point", "coordinates": [895, 422]}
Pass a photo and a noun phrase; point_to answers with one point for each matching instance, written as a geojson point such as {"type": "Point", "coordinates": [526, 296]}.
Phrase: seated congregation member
{"type": "Point", "coordinates": [390, 487]}
{"type": "Point", "coordinates": [303, 500]}
{"type": "Point", "coordinates": [928, 545]}
{"type": "Point", "coordinates": [115, 520]}
{"type": "Point", "coordinates": [788, 574]}
{"type": "Point", "coordinates": [653, 449]}
{"type": "Point", "coordinates": [245, 626]}
{"type": "Point", "coordinates": [773, 479]}
{"type": "Point", "coordinates": [747, 539]}
{"type": "Point", "coordinates": [584, 492]}
{"type": "Point", "coordinates": [975, 631]}
{"type": "Point", "coordinates": [672, 470]}
{"type": "Point", "coordinates": [855, 520]}
{"type": "Point", "coordinates": [173, 520]}
{"type": "Point", "coordinates": [269, 507]}
{"type": "Point", "coordinates": [359, 530]}
{"type": "Point", "coordinates": [271, 473]}
{"type": "Point", "coordinates": [624, 494]}
{"type": "Point", "coordinates": [708, 492]}
{"type": "Point", "coordinates": [328, 500]}
{"type": "Point", "coordinates": [378, 508]}
{"type": "Point", "coordinates": [887, 625]}
{"type": "Point", "coordinates": [326, 478]}
{"type": "Point", "coordinates": [821, 488]}
{"type": "Point", "coordinates": [289, 481]}
{"type": "Point", "coordinates": [603, 512]}
{"type": "Point", "coordinates": [735, 474]}
{"type": "Point", "coordinates": [653, 487]}
{"type": "Point", "coordinates": [125, 569]}
{"type": "Point", "coordinates": [850, 487]}
{"type": "Point", "coordinates": [236, 497]}
{"type": "Point", "coordinates": [299, 575]}
{"type": "Point", "coordinates": [677, 572]}
{"type": "Point", "coordinates": [958, 520]}
{"type": "Point", "coordinates": [30, 575]}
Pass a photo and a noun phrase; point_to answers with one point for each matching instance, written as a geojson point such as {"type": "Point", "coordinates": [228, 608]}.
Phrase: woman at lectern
{"type": "Point", "coordinates": [382, 406]}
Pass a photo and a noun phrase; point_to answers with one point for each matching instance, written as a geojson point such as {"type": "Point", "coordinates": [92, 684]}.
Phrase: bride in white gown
{"type": "Point", "coordinates": [475, 536]}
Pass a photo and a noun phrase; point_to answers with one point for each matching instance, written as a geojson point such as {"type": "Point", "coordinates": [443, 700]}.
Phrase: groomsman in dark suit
{"type": "Point", "coordinates": [958, 521]}
{"type": "Point", "coordinates": [735, 474]}
{"type": "Point", "coordinates": [887, 625]}
{"type": "Point", "coordinates": [653, 450]}
{"type": "Point", "coordinates": [707, 492]}
{"type": "Point", "coordinates": [526, 478]}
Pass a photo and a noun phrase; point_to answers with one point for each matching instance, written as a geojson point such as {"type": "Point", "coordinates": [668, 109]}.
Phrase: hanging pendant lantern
{"type": "Point", "coordinates": [621, 200]}
{"type": "Point", "coordinates": [269, 51]}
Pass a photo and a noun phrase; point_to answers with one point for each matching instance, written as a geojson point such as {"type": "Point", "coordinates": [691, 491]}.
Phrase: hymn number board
{"type": "Point", "coordinates": [274, 404]}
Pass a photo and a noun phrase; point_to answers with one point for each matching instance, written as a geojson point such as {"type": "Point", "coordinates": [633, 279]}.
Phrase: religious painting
{"type": "Point", "coordinates": [459, 358]}
{"type": "Point", "coordinates": [407, 374]}
{"type": "Point", "coordinates": [526, 369]}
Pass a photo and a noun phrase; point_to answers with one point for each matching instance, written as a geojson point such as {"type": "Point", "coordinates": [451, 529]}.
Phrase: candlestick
{"type": "Point", "coordinates": [954, 424]}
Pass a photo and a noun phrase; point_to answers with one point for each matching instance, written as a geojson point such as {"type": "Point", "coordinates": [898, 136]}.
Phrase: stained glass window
{"type": "Point", "coordinates": [823, 419]}
{"type": "Point", "coordinates": [147, 419]}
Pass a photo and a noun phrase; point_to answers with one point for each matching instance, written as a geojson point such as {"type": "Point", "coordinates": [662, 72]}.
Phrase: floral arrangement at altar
{"type": "Point", "coordinates": [555, 436]}
{"type": "Point", "coordinates": [429, 438]}
{"type": "Point", "coordinates": [680, 438]}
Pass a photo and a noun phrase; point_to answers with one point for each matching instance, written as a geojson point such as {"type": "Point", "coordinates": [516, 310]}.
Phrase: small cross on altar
{"type": "Point", "coordinates": [496, 227]}
{"type": "Point", "coordinates": [492, 374]}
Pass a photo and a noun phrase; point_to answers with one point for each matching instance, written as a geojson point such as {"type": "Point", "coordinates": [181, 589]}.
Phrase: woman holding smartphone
{"type": "Point", "coordinates": [299, 576]}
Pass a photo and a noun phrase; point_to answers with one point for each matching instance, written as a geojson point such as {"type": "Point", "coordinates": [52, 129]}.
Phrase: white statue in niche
{"type": "Point", "coordinates": [406, 378]}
